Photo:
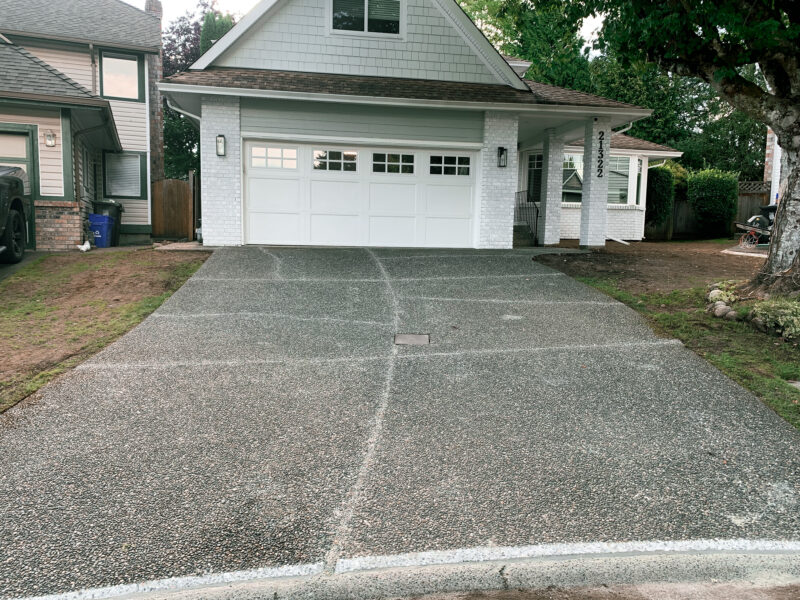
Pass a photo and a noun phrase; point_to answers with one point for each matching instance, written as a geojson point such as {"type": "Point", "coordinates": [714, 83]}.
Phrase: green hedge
{"type": "Point", "coordinates": [713, 196]}
{"type": "Point", "coordinates": [681, 177]}
{"type": "Point", "coordinates": [660, 196]}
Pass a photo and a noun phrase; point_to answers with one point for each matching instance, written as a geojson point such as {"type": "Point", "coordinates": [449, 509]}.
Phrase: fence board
{"type": "Point", "coordinates": [173, 209]}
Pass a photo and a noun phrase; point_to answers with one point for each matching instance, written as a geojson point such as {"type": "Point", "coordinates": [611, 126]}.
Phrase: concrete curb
{"type": "Point", "coordinates": [766, 568]}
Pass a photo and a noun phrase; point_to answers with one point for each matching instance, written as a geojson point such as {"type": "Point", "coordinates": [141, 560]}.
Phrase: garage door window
{"type": "Point", "coordinates": [392, 163]}
{"type": "Point", "coordinates": [273, 158]}
{"type": "Point", "coordinates": [335, 160]}
{"type": "Point", "coordinates": [450, 165]}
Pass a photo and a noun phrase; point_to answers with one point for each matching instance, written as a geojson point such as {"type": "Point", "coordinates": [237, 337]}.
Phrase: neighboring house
{"type": "Point", "coordinates": [80, 111]}
{"type": "Point", "coordinates": [389, 123]}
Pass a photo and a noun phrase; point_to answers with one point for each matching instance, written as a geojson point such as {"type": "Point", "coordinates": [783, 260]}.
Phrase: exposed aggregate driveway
{"type": "Point", "coordinates": [263, 417]}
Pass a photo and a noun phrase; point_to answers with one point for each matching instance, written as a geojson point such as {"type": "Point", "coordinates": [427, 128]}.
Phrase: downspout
{"type": "Point", "coordinates": [624, 129]}
{"type": "Point", "coordinates": [661, 164]}
{"type": "Point", "coordinates": [94, 69]}
{"type": "Point", "coordinates": [181, 111]}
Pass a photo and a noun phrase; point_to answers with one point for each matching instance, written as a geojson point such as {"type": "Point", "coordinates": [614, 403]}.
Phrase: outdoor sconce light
{"type": "Point", "coordinates": [502, 157]}
{"type": "Point", "coordinates": [50, 138]}
{"type": "Point", "coordinates": [220, 145]}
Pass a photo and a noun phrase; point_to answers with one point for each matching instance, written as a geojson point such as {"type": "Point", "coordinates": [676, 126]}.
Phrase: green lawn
{"type": "Point", "coordinates": [759, 362]}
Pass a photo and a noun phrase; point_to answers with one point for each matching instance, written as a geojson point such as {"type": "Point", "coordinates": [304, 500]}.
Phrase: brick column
{"type": "Point", "coordinates": [549, 226]}
{"type": "Point", "coordinates": [156, 116]}
{"type": "Point", "coordinates": [594, 201]}
{"type": "Point", "coordinates": [221, 181]}
{"type": "Point", "coordinates": [498, 184]}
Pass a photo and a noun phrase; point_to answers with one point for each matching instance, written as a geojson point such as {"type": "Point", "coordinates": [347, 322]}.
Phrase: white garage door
{"type": "Point", "coordinates": [357, 196]}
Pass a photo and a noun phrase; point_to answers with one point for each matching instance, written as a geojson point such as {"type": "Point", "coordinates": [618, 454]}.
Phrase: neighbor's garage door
{"type": "Point", "coordinates": [358, 196]}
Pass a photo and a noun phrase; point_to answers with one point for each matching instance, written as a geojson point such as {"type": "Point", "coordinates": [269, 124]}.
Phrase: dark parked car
{"type": "Point", "coordinates": [14, 216]}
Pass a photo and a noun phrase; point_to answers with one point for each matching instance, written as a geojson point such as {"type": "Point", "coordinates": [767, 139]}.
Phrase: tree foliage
{"type": "Point", "coordinates": [215, 25]}
{"type": "Point", "coordinates": [660, 196]}
{"type": "Point", "coordinates": [182, 47]}
{"type": "Point", "coordinates": [713, 196]}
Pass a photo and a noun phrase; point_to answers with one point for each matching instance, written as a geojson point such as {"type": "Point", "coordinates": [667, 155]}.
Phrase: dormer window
{"type": "Point", "coordinates": [367, 16]}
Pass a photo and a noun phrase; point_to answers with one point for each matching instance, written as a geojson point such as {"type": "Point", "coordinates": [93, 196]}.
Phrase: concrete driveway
{"type": "Point", "coordinates": [263, 423]}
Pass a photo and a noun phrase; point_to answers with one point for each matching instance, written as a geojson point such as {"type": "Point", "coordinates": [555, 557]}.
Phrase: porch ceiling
{"type": "Point", "coordinates": [570, 126]}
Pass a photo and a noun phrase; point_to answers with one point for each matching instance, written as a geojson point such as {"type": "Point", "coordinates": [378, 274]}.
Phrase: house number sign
{"type": "Point", "coordinates": [601, 153]}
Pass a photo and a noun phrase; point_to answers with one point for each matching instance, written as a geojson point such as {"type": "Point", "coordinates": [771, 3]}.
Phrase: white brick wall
{"type": "Point", "coordinates": [597, 145]}
{"type": "Point", "coordinates": [498, 185]}
{"type": "Point", "coordinates": [552, 183]}
{"type": "Point", "coordinates": [295, 38]}
{"type": "Point", "coordinates": [221, 182]}
{"type": "Point", "coordinates": [624, 222]}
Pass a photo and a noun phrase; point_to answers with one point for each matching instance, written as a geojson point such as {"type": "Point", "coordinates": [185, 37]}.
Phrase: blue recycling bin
{"type": "Point", "coordinates": [102, 226]}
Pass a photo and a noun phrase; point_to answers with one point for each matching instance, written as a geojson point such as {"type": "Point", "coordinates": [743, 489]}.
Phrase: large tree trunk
{"type": "Point", "coordinates": [781, 272]}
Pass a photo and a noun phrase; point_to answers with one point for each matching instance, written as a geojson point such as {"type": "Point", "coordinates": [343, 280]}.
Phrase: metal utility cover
{"type": "Point", "coordinates": [412, 339]}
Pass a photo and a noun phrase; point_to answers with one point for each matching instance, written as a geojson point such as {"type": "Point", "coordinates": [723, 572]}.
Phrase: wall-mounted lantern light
{"type": "Point", "coordinates": [220, 145]}
{"type": "Point", "coordinates": [502, 157]}
{"type": "Point", "coordinates": [50, 138]}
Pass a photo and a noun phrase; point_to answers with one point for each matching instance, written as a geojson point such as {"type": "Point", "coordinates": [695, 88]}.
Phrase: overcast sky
{"type": "Point", "coordinates": [175, 8]}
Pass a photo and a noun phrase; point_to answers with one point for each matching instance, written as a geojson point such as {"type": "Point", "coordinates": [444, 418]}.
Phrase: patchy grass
{"type": "Point", "coordinates": [60, 309]}
{"type": "Point", "coordinates": [761, 363]}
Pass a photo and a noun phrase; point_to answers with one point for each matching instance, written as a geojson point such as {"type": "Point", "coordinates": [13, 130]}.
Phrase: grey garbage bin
{"type": "Point", "coordinates": [111, 209]}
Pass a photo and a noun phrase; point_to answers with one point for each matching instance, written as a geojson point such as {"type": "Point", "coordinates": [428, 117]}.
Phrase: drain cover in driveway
{"type": "Point", "coordinates": [412, 339]}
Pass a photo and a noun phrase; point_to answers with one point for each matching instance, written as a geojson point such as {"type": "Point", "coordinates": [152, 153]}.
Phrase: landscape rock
{"type": "Point", "coordinates": [758, 323]}
{"type": "Point", "coordinates": [721, 311]}
{"type": "Point", "coordinates": [732, 315]}
{"type": "Point", "coordinates": [715, 294]}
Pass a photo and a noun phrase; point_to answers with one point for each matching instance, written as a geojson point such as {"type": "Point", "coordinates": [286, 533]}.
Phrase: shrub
{"type": "Point", "coordinates": [681, 178]}
{"type": "Point", "coordinates": [780, 314]}
{"type": "Point", "coordinates": [660, 195]}
{"type": "Point", "coordinates": [713, 196]}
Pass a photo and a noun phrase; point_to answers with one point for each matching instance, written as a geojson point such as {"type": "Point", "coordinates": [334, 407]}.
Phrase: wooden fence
{"type": "Point", "coordinates": [684, 225]}
{"type": "Point", "coordinates": [173, 209]}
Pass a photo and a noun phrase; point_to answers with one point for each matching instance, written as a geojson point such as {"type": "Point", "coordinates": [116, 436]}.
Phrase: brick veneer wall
{"type": "Point", "coordinates": [221, 181]}
{"type": "Point", "coordinates": [498, 184]}
{"type": "Point", "coordinates": [59, 225]}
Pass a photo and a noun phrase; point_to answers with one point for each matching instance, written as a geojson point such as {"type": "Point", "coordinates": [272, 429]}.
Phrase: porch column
{"type": "Point", "coordinates": [498, 184]}
{"type": "Point", "coordinates": [594, 202]}
{"type": "Point", "coordinates": [549, 226]}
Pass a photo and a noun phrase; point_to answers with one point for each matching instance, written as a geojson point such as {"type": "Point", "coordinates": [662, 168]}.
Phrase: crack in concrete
{"type": "Point", "coordinates": [356, 492]}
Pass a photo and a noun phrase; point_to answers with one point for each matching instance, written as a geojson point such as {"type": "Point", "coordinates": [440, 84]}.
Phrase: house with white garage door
{"type": "Point", "coordinates": [396, 123]}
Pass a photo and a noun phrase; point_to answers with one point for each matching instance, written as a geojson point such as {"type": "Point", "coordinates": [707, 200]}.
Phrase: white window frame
{"type": "Point", "coordinates": [386, 163]}
{"type": "Point", "coordinates": [282, 158]}
{"type": "Point", "coordinates": [315, 149]}
{"type": "Point", "coordinates": [329, 30]}
{"type": "Point", "coordinates": [470, 165]}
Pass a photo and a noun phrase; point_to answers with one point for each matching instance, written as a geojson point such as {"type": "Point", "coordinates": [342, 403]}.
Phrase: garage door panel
{"type": "Point", "coordinates": [392, 231]}
{"type": "Point", "coordinates": [449, 200]}
{"type": "Point", "coordinates": [273, 228]}
{"type": "Point", "coordinates": [448, 232]}
{"type": "Point", "coordinates": [274, 195]}
{"type": "Point", "coordinates": [341, 230]}
{"type": "Point", "coordinates": [393, 198]}
{"type": "Point", "coordinates": [336, 197]}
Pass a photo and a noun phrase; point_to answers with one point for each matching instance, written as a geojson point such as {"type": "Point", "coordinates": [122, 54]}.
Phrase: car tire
{"type": "Point", "coordinates": [13, 238]}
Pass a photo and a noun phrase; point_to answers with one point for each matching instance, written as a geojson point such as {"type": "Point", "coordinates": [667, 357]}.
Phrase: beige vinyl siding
{"type": "Point", "coordinates": [325, 119]}
{"type": "Point", "coordinates": [132, 124]}
{"type": "Point", "coordinates": [136, 212]}
{"type": "Point", "coordinates": [75, 64]}
{"type": "Point", "coordinates": [51, 165]}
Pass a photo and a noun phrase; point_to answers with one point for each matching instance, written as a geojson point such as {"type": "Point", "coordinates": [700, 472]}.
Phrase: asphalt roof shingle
{"type": "Point", "coordinates": [385, 87]}
{"type": "Point", "coordinates": [628, 142]}
{"type": "Point", "coordinates": [111, 22]}
{"type": "Point", "coordinates": [25, 74]}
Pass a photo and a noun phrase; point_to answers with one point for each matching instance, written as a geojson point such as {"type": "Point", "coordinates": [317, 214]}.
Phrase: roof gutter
{"type": "Point", "coordinates": [81, 42]}
{"type": "Point", "coordinates": [58, 100]}
{"type": "Point", "coordinates": [636, 114]}
{"type": "Point", "coordinates": [186, 113]}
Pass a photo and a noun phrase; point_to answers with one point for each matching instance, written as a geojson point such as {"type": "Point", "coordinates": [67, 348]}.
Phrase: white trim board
{"type": "Point", "coordinates": [452, 12]}
{"type": "Point", "coordinates": [386, 142]}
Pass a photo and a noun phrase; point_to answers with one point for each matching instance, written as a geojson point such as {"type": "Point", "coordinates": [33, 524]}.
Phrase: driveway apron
{"type": "Point", "coordinates": [263, 421]}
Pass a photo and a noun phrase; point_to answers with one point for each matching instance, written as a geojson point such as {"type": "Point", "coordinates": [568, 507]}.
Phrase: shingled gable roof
{"type": "Point", "coordinates": [26, 75]}
{"type": "Point", "coordinates": [108, 22]}
{"type": "Point", "coordinates": [450, 9]}
{"type": "Point", "coordinates": [385, 87]}
{"type": "Point", "coordinates": [628, 142]}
